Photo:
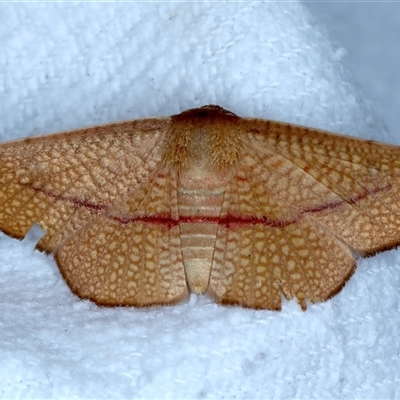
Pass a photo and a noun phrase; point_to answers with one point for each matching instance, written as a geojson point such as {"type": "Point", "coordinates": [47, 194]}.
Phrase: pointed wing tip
{"type": "Point", "coordinates": [338, 288]}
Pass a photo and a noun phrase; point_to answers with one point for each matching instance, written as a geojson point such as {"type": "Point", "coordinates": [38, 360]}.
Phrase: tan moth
{"type": "Point", "coordinates": [142, 212]}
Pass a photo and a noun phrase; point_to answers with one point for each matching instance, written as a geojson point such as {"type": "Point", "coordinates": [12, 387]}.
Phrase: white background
{"type": "Point", "coordinates": [369, 32]}
{"type": "Point", "coordinates": [65, 66]}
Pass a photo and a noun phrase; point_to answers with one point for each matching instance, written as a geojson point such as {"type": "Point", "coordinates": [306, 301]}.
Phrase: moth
{"type": "Point", "coordinates": [142, 212]}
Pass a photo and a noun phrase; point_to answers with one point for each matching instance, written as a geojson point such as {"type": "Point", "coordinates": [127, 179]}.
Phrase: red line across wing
{"type": "Point", "coordinates": [229, 220]}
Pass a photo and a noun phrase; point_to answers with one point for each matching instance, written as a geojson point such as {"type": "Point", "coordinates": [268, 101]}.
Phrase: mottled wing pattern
{"type": "Point", "coordinates": [69, 184]}
{"type": "Point", "coordinates": [131, 255]}
{"type": "Point", "coordinates": [127, 207]}
{"type": "Point", "coordinates": [304, 203]}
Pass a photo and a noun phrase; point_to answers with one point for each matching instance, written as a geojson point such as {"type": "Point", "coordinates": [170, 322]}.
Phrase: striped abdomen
{"type": "Point", "coordinates": [199, 212]}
